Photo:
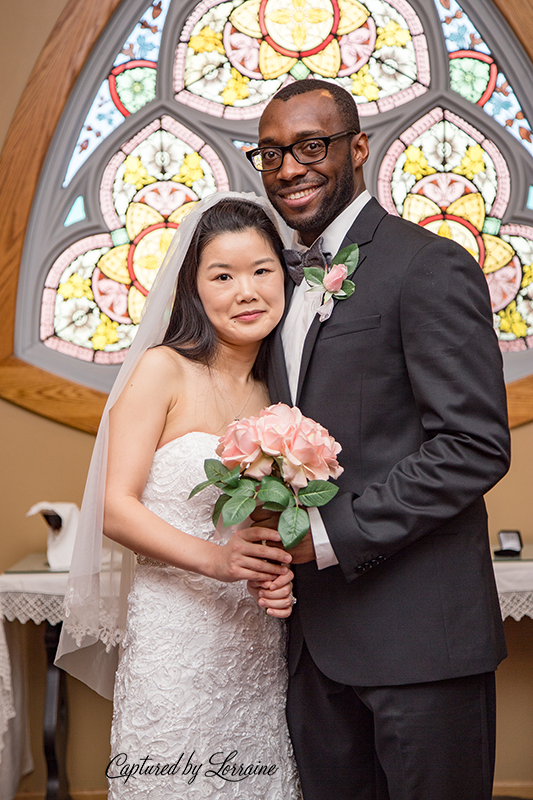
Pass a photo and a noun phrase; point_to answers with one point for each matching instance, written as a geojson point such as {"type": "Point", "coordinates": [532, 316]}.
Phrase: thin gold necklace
{"type": "Point", "coordinates": [236, 416]}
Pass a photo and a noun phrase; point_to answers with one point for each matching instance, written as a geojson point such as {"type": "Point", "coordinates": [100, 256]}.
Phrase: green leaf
{"type": "Point", "coordinates": [349, 256]}
{"type": "Point", "coordinates": [314, 275]}
{"type": "Point", "coordinates": [274, 492]}
{"type": "Point", "coordinates": [348, 287]}
{"type": "Point", "coordinates": [219, 505]}
{"type": "Point", "coordinates": [215, 469]}
{"type": "Point", "coordinates": [232, 478]}
{"type": "Point", "coordinates": [199, 487]}
{"type": "Point", "coordinates": [273, 507]}
{"type": "Point", "coordinates": [292, 527]}
{"type": "Point", "coordinates": [317, 493]}
{"type": "Point", "coordinates": [244, 488]}
{"type": "Point", "coordinates": [237, 509]}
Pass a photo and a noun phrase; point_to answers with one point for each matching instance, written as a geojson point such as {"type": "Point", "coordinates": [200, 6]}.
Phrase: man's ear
{"type": "Point", "coordinates": [359, 148]}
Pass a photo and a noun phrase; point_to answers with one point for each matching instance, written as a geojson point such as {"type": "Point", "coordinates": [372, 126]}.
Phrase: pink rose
{"type": "Point", "coordinates": [304, 449]}
{"type": "Point", "coordinates": [277, 424]}
{"type": "Point", "coordinates": [333, 279]}
{"type": "Point", "coordinates": [239, 444]}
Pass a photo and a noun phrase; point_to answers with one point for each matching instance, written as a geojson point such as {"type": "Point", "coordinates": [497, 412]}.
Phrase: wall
{"type": "Point", "coordinates": [45, 460]}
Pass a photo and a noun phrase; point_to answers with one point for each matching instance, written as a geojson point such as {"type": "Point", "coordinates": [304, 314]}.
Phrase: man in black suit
{"type": "Point", "coordinates": [397, 630]}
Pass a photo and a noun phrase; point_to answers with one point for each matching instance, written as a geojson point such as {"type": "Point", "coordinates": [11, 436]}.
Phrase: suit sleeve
{"type": "Point", "coordinates": [454, 367]}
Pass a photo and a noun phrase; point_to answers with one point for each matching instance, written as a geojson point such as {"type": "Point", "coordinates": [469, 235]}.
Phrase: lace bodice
{"type": "Point", "coordinates": [203, 677]}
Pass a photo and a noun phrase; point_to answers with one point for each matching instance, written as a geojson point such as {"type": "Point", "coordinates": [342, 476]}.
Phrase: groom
{"type": "Point", "coordinates": [397, 630]}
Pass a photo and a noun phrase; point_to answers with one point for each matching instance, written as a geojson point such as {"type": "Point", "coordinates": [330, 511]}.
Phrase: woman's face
{"type": "Point", "coordinates": [241, 285]}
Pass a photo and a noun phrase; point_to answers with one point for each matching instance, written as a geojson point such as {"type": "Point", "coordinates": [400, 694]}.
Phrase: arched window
{"type": "Point", "coordinates": [160, 114]}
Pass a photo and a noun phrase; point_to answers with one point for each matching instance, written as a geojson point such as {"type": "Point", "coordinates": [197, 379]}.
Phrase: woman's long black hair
{"type": "Point", "coordinates": [190, 331]}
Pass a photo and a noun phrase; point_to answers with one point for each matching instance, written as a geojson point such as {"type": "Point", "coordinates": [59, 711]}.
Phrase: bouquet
{"type": "Point", "coordinates": [280, 459]}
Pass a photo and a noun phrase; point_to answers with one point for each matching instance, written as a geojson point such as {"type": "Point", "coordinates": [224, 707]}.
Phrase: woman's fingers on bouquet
{"type": "Point", "coordinates": [244, 558]}
{"type": "Point", "coordinates": [277, 602]}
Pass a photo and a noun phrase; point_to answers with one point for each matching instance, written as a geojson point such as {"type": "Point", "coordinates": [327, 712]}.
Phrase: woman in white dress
{"type": "Point", "coordinates": [199, 695]}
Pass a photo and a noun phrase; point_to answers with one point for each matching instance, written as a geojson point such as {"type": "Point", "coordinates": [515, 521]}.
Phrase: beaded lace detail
{"type": "Point", "coordinates": [203, 675]}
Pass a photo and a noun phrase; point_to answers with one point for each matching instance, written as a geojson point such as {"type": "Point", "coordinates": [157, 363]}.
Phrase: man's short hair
{"type": "Point", "coordinates": [346, 105]}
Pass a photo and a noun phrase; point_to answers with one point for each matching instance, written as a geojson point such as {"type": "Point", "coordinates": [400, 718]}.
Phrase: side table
{"type": "Point", "coordinates": [30, 590]}
{"type": "Point", "coordinates": [514, 580]}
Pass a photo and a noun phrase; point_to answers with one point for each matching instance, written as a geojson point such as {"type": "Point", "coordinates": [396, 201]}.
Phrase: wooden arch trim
{"type": "Point", "coordinates": [27, 143]}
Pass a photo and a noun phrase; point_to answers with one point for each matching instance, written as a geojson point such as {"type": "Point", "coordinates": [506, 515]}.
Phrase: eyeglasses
{"type": "Point", "coordinates": [307, 151]}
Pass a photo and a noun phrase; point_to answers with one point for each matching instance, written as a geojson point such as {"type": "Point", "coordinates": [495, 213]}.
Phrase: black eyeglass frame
{"type": "Point", "coordinates": [288, 148]}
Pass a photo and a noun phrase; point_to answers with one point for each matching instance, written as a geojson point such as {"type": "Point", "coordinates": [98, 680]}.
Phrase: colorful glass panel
{"type": "Point", "coordinates": [447, 176]}
{"type": "Point", "coordinates": [129, 86]}
{"type": "Point", "coordinates": [233, 56]}
{"type": "Point", "coordinates": [96, 289]}
{"type": "Point", "coordinates": [475, 74]}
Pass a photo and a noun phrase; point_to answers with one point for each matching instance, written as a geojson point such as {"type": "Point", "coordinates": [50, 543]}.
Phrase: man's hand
{"type": "Point", "coordinates": [304, 551]}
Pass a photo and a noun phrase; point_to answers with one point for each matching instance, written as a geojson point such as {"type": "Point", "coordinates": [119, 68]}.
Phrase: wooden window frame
{"type": "Point", "coordinates": [25, 149]}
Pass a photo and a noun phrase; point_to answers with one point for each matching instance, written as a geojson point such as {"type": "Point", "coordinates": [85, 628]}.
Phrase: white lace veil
{"type": "Point", "coordinates": [101, 571]}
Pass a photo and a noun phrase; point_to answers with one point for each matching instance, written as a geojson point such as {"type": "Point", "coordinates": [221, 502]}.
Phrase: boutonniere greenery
{"type": "Point", "coordinates": [334, 280]}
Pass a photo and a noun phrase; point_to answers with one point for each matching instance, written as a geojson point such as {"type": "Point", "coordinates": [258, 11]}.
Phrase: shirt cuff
{"type": "Point", "coordinates": [325, 555]}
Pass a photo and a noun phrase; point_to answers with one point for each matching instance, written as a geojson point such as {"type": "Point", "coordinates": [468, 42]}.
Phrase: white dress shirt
{"type": "Point", "coordinates": [303, 308]}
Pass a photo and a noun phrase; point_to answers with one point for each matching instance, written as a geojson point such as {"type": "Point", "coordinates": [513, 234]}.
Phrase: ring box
{"type": "Point", "coordinates": [510, 544]}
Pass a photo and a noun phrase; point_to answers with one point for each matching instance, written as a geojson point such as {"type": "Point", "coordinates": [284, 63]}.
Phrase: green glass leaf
{"type": "Point", "coordinates": [199, 487]}
{"type": "Point", "coordinates": [293, 525]}
{"type": "Point", "coordinates": [219, 505]}
{"type": "Point", "coordinates": [215, 469]}
{"type": "Point", "coordinates": [349, 256]}
{"type": "Point", "coordinates": [237, 509]}
{"type": "Point", "coordinates": [317, 493]}
{"type": "Point", "coordinates": [314, 275]}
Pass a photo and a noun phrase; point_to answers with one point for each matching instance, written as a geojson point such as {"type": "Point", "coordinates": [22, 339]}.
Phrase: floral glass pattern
{"type": "Point", "coordinates": [475, 74]}
{"type": "Point", "coordinates": [445, 175]}
{"type": "Point", "coordinates": [233, 56]}
{"type": "Point", "coordinates": [129, 86]}
{"type": "Point", "coordinates": [95, 290]}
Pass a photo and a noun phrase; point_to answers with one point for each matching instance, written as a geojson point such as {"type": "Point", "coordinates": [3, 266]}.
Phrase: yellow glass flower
{"type": "Point", "coordinates": [207, 41]}
{"type": "Point", "coordinates": [364, 85]}
{"type": "Point", "coordinates": [106, 333]}
{"type": "Point", "coordinates": [135, 173]}
{"type": "Point", "coordinates": [527, 276]}
{"type": "Point", "coordinates": [512, 321]}
{"type": "Point", "coordinates": [298, 18]}
{"type": "Point", "coordinates": [392, 35]}
{"type": "Point", "coordinates": [76, 286]}
{"type": "Point", "coordinates": [190, 170]}
{"type": "Point", "coordinates": [236, 89]}
{"type": "Point", "coordinates": [416, 163]}
{"type": "Point", "coordinates": [472, 162]}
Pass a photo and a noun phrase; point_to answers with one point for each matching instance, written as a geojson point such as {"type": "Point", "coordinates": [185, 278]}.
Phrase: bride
{"type": "Point", "coordinates": [199, 695]}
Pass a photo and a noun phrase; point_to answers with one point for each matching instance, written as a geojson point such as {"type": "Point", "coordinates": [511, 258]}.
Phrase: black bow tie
{"type": "Point", "coordinates": [314, 257]}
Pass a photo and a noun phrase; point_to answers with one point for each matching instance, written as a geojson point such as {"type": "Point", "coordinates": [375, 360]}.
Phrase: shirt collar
{"type": "Point", "coordinates": [334, 234]}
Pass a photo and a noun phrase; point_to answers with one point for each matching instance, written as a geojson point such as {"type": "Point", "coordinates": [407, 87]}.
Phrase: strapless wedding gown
{"type": "Point", "coordinates": [199, 705]}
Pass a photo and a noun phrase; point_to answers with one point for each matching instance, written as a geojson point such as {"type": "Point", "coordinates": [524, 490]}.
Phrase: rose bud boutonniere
{"type": "Point", "coordinates": [333, 281]}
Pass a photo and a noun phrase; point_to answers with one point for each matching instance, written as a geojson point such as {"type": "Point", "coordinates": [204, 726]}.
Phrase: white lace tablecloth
{"type": "Point", "coordinates": [514, 580]}
{"type": "Point", "coordinates": [35, 596]}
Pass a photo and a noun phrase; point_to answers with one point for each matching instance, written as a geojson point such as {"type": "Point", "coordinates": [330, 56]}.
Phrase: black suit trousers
{"type": "Point", "coordinates": [424, 741]}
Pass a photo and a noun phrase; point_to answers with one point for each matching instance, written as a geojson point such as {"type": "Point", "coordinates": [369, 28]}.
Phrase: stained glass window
{"type": "Point", "coordinates": [234, 56]}
{"type": "Point", "coordinates": [170, 99]}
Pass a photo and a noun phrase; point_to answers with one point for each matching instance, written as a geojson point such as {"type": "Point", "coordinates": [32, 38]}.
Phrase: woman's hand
{"type": "Point", "coordinates": [274, 596]}
{"type": "Point", "coordinates": [244, 558]}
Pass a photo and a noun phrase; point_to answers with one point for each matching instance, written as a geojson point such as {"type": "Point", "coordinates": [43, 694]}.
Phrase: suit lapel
{"type": "Point", "coordinates": [361, 233]}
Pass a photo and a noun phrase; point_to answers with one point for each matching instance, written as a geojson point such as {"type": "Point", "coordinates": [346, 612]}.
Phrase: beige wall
{"type": "Point", "coordinates": [43, 460]}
